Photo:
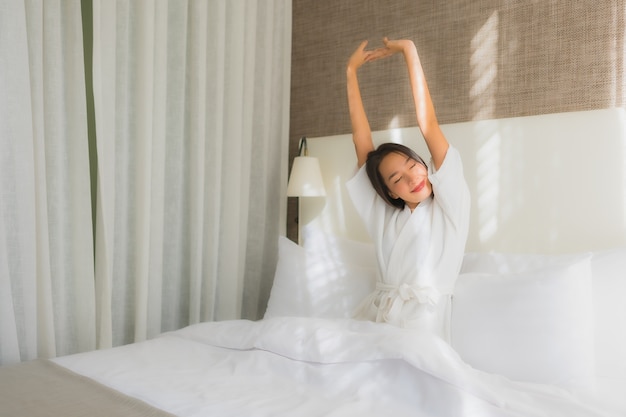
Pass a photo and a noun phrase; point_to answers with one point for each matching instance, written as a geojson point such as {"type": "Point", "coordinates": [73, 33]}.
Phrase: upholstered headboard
{"type": "Point", "coordinates": [540, 184]}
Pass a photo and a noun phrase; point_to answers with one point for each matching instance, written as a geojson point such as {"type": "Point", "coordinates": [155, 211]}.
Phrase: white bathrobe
{"type": "Point", "coordinates": [420, 252]}
{"type": "Point", "coordinates": [419, 256]}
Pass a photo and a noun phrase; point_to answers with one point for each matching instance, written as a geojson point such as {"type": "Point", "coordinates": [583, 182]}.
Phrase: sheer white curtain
{"type": "Point", "coordinates": [191, 113]}
{"type": "Point", "coordinates": [46, 253]}
{"type": "Point", "coordinates": [191, 102]}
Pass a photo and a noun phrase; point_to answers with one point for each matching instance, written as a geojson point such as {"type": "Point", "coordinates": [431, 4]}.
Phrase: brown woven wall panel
{"type": "Point", "coordinates": [483, 59]}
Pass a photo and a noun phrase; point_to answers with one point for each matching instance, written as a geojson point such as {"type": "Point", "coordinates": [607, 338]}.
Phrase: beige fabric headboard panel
{"type": "Point", "coordinates": [540, 184]}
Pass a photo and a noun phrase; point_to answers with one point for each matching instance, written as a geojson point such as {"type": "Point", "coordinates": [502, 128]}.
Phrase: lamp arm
{"type": "Point", "coordinates": [302, 146]}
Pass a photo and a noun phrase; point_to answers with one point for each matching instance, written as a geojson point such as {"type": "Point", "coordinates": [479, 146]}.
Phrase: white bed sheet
{"type": "Point", "coordinates": [310, 367]}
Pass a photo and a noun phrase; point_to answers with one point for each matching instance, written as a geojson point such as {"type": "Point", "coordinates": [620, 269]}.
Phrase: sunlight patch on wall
{"type": "Point", "coordinates": [393, 134]}
{"type": "Point", "coordinates": [620, 49]}
{"type": "Point", "coordinates": [394, 123]}
{"type": "Point", "coordinates": [623, 136]}
{"type": "Point", "coordinates": [484, 69]}
{"type": "Point", "coordinates": [488, 184]}
{"type": "Point", "coordinates": [483, 74]}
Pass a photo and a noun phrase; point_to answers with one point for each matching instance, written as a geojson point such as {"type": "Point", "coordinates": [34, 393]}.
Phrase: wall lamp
{"type": "Point", "coordinates": [306, 178]}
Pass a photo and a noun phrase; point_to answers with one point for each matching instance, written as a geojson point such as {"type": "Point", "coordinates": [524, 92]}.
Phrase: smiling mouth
{"type": "Point", "coordinates": [419, 187]}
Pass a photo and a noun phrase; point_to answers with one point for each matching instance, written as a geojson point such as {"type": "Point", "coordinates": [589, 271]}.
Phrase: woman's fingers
{"type": "Point", "coordinates": [361, 56]}
{"type": "Point", "coordinates": [380, 53]}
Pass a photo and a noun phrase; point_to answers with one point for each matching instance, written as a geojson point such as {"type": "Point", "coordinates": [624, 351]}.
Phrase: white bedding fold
{"type": "Point", "coordinates": [313, 367]}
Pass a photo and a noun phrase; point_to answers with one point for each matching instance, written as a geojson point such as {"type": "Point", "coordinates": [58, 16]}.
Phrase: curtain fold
{"type": "Point", "coordinates": [46, 253]}
{"type": "Point", "coordinates": [192, 150]}
{"type": "Point", "coordinates": [191, 109]}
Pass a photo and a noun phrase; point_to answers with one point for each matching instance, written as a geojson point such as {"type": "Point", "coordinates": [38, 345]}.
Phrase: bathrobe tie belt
{"type": "Point", "coordinates": [397, 296]}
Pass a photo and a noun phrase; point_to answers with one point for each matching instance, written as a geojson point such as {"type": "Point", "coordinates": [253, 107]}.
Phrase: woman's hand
{"type": "Point", "coordinates": [359, 57]}
{"type": "Point", "coordinates": [391, 47]}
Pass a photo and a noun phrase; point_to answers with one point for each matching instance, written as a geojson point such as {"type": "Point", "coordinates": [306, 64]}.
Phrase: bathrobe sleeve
{"type": "Point", "coordinates": [450, 188]}
{"type": "Point", "coordinates": [367, 202]}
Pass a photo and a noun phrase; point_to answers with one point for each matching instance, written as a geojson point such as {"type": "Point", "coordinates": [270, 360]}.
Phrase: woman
{"type": "Point", "coordinates": [417, 215]}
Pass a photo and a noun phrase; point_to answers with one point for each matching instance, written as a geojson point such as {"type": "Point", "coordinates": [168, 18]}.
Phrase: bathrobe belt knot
{"type": "Point", "coordinates": [397, 296]}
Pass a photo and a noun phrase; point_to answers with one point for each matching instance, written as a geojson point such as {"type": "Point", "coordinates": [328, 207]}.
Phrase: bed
{"type": "Point", "coordinates": [538, 309]}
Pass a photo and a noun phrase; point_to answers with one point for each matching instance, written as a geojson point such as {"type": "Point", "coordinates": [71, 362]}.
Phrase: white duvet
{"type": "Point", "coordinates": [313, 367]}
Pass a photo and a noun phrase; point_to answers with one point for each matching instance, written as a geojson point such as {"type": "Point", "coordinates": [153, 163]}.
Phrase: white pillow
{"type": "Point", "coordinates": [533, 326]}
{"type": "Point", "coordinates": [608, 272]}
{"type": "Point", "coordinates": [328, 278]}
{"type": "Point", "coordinates": [609, 287]}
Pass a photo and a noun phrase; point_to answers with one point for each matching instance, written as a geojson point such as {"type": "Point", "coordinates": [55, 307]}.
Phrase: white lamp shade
{"type": "Point", "coordinates": [306, 178]}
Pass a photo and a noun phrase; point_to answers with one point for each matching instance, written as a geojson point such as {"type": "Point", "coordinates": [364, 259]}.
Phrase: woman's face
{"type": "Point", "coordinates": [406, 178]}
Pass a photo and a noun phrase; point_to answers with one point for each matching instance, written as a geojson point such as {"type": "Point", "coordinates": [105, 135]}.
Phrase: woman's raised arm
{"type": "Point", "coordinates": [361, 132]}
{"type": "Point", "coordinates": [424, 108]}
